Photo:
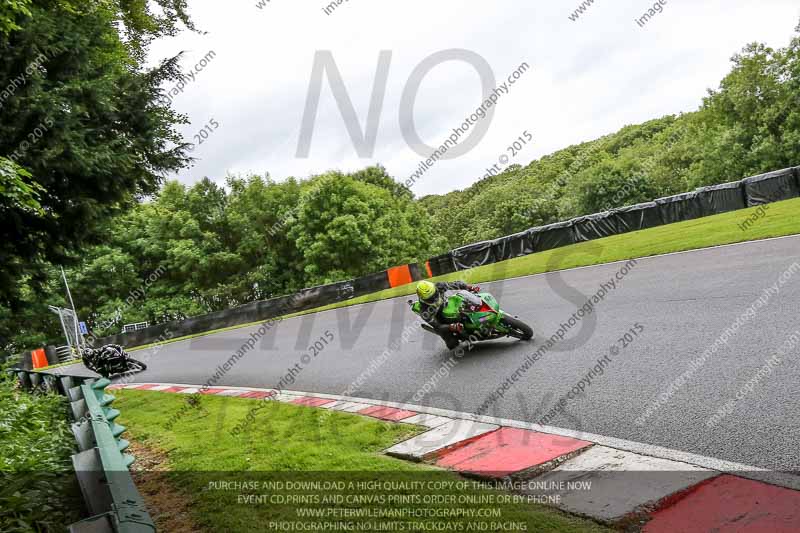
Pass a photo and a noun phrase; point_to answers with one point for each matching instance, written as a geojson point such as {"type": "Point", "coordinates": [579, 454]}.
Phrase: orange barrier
{"type": "Point", "coordinates": [399, 276]}
{"type": "Point", "coordinates": [428, 268]}
{"type": "Point", "coordinates": [39, 358]}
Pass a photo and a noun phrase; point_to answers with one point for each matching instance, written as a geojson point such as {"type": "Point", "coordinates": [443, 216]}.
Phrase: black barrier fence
{"type": "Point", "coordinates": [756, 190]}
{"type": "Point", "coordinates": [512, 246]}
{"type": "Point", "coordinates": [418, 272]}
{"type": "Point", "coordinates": [475, 254]}
{"type": "Point", "coordinates": [637, 217]}
{"type": "Point", "coordinates": [718, 199]}
{"type": "Point", "coordinates": [686, 206]}
{"type": "Point", "coordinates": [52, 355]}
{"type": "Point", "coordinates": [258, 311]}
{"type": "Point", "coordinates": [590, 226]}
{"type": "Point", "coordinates": [772, 187]}
{"type": "Point", "coordinates": [442, 264]}
{"type": "Point", "coordinates": [24, 360]}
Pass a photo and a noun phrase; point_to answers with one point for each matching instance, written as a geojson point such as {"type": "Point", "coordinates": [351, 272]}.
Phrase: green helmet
{"type": "Point", "coordinates": [426, 290]}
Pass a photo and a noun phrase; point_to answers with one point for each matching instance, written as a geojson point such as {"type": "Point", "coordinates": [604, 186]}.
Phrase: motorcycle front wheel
{"type": "Point", "coordinates": [136, 366]}
{"type": "Point", "coordinates": [517, 328]}
{"type": "Point", "coordinates": [90, 365]}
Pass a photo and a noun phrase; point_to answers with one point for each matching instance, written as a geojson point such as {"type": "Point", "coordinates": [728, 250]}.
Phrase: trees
{"type": "Point", "coordinates": [750, 124]}
{"type": "Point", "coordinates": [88, 181]}
{"type": "Point", "coordinates": [612, 182]}
{"type": "Point", "coordinates": [348, 227]}
{"type": "Point", "coordinates": [190, 250]}
{"type": "Point", "coordinates": [10, 12]}
{"type": "Point", "coordinates": [83, 120]}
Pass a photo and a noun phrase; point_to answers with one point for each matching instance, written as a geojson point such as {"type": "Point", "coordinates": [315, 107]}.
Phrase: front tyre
{"type": "Point", "coordinates": [451, 342]}
{"type": "Point", "coordinates": [517, 328]}
{"type": "Point", "coordinates": [136, 366]}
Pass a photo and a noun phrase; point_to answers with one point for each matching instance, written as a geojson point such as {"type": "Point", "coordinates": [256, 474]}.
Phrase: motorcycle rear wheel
{"type": "Point", "coordinates": [518, 328]}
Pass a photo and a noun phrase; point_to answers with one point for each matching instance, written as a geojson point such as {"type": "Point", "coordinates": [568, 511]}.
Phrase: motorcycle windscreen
{"type": "Point", "coordinates": [489, 302]}
{"type": "Point", "coordinates": [472, 302]}
{"type": "Point", "coordinates": [470, 298]}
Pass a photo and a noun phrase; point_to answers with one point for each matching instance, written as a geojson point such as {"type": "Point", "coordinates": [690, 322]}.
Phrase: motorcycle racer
{"type": "Point", "coordinates": [432, 299]}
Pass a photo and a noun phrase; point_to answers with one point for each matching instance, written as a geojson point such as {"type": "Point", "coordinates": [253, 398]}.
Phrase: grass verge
{"type": "Point", "coordinates": [38, 489]}
{"type": "Point", "coordinates": [241, 483]}
{"type": "Point", "coordinates": [780, 219]}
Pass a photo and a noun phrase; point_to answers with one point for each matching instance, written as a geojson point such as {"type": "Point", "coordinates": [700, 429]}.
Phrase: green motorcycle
{"type": "Point", "coordinates": [481, 316]}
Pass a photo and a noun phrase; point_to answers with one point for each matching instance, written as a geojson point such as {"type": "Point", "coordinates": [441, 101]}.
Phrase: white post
{"type": "Point", "coordinates": [78, 337]}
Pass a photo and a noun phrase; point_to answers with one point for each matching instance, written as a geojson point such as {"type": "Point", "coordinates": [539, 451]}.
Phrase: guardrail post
{"type": "Point", "coordinates": [101, 465]}
{"type": "Point", "coordinates": [71, 387]}
{"type": "Point", "coordinates": [24, 380]}
{"type": "Point", "coordinates": [127, 508]}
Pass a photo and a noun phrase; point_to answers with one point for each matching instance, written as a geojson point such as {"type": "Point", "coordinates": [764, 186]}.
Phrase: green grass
{"type": "Point", "coordinates": [293, 443]}
{"type": "Point", "coordinates": [38, 489]}
{"type": "Point", "coordinates": [781, 219]}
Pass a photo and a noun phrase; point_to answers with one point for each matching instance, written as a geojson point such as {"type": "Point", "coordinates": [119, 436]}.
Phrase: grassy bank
{"type": "Point", "coordinates": [780, 219]}
{"type": "Point", "coordinates": [290, 444]}
{"type": "Point", "coordinates": [38, 490]}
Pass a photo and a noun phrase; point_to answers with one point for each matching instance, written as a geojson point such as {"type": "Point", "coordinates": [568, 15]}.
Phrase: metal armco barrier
{"type": "Point", "coordinates": [101, 465]}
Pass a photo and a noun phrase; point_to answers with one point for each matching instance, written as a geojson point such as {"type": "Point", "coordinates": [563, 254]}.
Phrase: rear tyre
{"type": "Point", "coordinates": [518, 328]}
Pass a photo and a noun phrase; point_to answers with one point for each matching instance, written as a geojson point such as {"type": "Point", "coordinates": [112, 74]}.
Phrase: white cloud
{"type": "Point", "coordinates": [590, 77]}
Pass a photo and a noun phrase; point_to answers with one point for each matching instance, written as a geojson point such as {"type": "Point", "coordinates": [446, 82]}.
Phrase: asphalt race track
{"type": "Point", "coordinates": [684, 301]}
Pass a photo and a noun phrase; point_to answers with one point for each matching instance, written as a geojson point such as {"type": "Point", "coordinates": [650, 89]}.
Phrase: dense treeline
{"type": "Point", "coordinates": [82, 137]}
{"type": "Point", "coordinates": [83, 133]}
{"type": "Point", "coordinates": [190, 250]}
{"type": "Point", "coordinates": [749, 125]}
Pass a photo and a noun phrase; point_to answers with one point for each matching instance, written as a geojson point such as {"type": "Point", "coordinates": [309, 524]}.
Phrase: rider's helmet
{"type": "Point", "coordinates": [426, 290]}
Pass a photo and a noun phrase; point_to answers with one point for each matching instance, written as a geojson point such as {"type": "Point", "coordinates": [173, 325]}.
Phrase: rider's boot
{"type": "Point", "coordinates": [451, 335]}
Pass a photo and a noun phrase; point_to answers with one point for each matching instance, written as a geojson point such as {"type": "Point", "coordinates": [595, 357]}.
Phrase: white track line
{"type": "Point", "coordinates": [782, 479]}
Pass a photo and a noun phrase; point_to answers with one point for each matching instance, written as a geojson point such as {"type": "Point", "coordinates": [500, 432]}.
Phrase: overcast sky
{"type": "Point", "coordinates": [587, 78]}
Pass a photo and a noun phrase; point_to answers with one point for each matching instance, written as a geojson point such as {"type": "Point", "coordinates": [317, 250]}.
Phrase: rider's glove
{"type": "Point", "coordinates": [474, 288]}
{"type": "Point", "coordinates": [456, 328]}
